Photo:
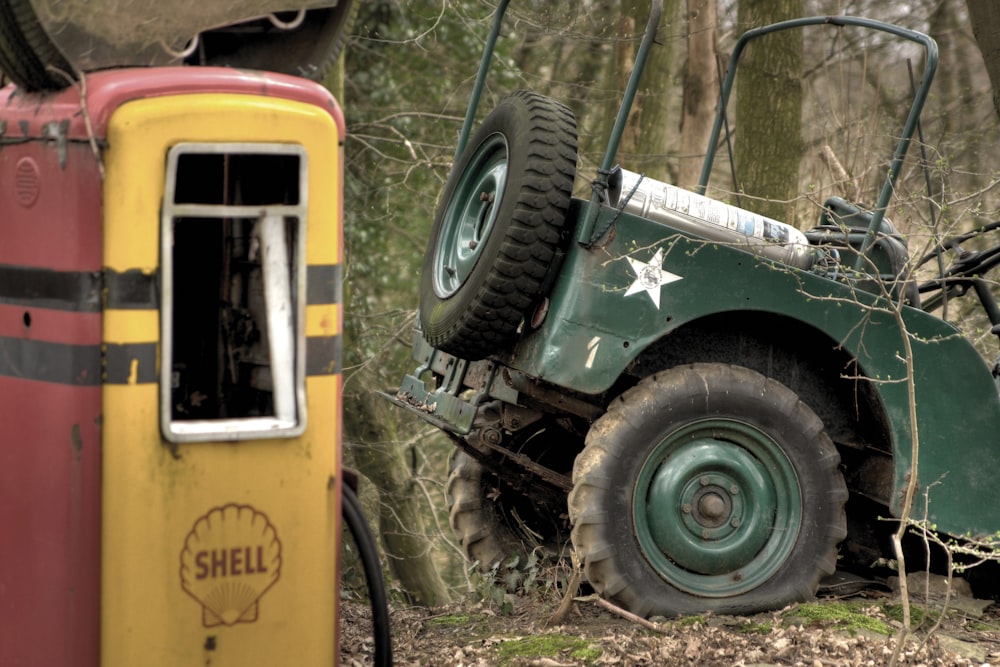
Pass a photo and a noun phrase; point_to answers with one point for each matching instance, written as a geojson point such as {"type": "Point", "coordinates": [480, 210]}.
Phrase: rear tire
{"type": "Point", "coordinates": [30, 58]}
{"type": "Point", "coordinates": [309, 50]}
{"type": "Point", "coordinates": [499, 226]}
{"type": "Point", "coordinates": [27, 55]}
{"type": "Point", "coordinates": [494, 522]}
{"type": "Point", "coordinates": [482, 527]}
{"type": "Point", "coordinates": [707, 487]}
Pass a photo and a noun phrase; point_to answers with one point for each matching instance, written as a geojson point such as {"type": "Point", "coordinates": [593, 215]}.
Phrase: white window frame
{"type": "Point", "coordinates": [284, 294]}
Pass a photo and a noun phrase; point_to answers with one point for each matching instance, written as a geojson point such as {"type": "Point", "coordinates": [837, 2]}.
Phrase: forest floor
{"type": "Point", "coordinates": [852, 631]}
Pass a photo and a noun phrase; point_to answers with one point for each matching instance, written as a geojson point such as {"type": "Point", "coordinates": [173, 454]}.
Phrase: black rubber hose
{"type": "Point", "coordinates": [368, 549]}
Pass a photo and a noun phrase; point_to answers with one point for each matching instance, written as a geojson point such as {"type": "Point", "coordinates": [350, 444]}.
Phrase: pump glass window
{"type": "Point", "coordinates": [233, 265]}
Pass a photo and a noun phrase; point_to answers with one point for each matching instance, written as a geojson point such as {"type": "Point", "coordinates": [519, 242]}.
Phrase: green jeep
{"type": "Point", "coordinates": [714, 408]}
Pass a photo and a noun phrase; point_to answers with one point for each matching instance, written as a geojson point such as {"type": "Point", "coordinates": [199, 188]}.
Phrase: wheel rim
{"type": "Point", "coordinates": [717, 508]}
{"type": "Point", "coordinates": [470, 216]}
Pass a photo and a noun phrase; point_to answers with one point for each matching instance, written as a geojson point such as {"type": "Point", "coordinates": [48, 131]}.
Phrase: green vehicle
{"type": "Point", "coordinates": [712, 407]}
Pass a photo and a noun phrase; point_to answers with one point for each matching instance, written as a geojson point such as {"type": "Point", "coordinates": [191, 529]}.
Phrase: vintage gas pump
{"type": "Point", "coordinates": [170, 294]}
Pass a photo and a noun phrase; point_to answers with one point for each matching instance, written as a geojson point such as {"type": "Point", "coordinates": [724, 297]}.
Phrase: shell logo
{"type": "Point", "coordinates": [231, 557]}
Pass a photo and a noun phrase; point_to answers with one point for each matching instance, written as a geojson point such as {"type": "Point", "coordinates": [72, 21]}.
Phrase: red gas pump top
{"type": "Point", "coordinates": [59, 115]}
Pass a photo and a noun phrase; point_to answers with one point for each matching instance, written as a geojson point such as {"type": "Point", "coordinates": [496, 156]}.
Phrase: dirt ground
{"type": "Point", "coordinates": [854, 631]}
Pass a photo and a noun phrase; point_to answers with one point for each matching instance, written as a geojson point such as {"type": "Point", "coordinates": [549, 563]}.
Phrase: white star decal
{"type": "Point", "coordinates": [650, 277]}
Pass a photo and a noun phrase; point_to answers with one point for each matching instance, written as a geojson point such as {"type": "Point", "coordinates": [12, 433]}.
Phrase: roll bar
{"type": "Point", "coordinates": [919, 98]}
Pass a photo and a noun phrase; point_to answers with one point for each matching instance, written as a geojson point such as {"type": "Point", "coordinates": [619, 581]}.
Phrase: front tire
{"type": "Point", "coordinates": [707, 487]}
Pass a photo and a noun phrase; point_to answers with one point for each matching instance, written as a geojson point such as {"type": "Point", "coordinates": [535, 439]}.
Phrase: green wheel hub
{"type": "Point", "coordinates": [470, 216]}
{"type": "Point", "coordinates": [717, 507]}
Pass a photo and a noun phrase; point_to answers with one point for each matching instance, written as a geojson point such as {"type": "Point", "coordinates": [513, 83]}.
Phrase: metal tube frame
{"type": "Point", "coordinates": [919, 98]}
{"type": "Point", "coordinates": [599, 185]}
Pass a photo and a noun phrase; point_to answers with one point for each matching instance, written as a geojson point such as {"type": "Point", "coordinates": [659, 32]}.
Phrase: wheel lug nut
{"type": "Point", "coordinates": [734, 489]}
{"type": "Point", "coordinates": [686, 508]}
{"type": "Point", "coordinates": [735, 523]}
{"type": "Point", "coordinates": [705, 534]}
{"type": "Point", "coordinates": [472, 245]}
{"type": "Point", "coordinates": [704, 481]}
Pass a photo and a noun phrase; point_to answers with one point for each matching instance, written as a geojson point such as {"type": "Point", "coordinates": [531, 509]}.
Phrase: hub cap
{"type": "Point", "coordinates": [470, 216]}
{"type": "Point", "coordinates": [717, 508]}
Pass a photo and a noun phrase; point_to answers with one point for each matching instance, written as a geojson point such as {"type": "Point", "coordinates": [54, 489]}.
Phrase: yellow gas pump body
{"type": "Point", "coordinates": [218, 424]}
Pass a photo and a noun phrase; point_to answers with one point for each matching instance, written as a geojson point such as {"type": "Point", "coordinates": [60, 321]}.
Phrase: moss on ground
{"type": "Point", "coordinates": [688, 621]}
{"type": "Point", "coordinates": [754, 628]}
{"type": "Point", "coordinates": [472, 626]}
{"type": "Point", "coordinates": [449, 621]}
{"type": "Point", "coordinates": [512, 651]}
{"type": "Point", "coordinates": [849, 616]}
{"type": "Point", "coordinates": [918, 615]}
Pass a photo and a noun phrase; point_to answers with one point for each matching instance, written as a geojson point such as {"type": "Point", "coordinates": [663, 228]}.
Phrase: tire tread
{"type": "Point", "coordinates": [532, 236]}
{"type": "Point", "coordinates": [612, 439]}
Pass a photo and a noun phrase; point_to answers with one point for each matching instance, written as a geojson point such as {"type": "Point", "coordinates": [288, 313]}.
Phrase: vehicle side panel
{"type": "Point", "coordinates": [645, 280]}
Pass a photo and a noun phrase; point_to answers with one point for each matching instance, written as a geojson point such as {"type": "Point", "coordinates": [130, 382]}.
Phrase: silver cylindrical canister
{"type": "Point", "coordinates": [708, 218]}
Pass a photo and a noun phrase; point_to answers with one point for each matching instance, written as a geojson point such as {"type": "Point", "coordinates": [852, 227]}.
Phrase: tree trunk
{"type": "Point", "coordinates": [647, 134]}
{"type": "Point", "coordinates": [370, 437]}
{"type": "Point", "coordinates": [953, 105]}
{"type": "Point", "coordinates": [768, 143]}
{"type": "Point", "coordinates": [654, 136]}
{"type": "Point", "coordinates": [985, 18]}
{"type": "Point", "coordinates": [701, 89]}
{"type": "Point", "coordinates": [381, 458]}
{"type": "Point", "coordinates": [621, 65]}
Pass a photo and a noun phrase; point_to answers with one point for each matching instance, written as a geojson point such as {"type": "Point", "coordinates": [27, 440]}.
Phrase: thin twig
{"type": "Point", "coordinates": [82, 85]}
{"type": "Point", "coordinates": [614, 609]}
{"type": "Point", "coordinates": [571, 589]}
